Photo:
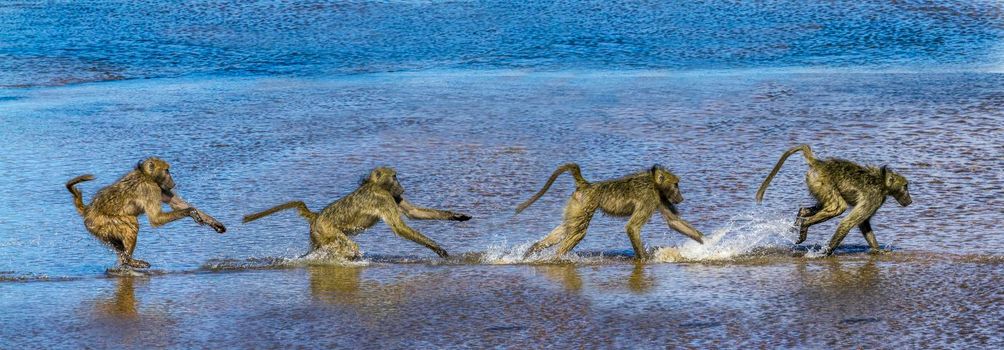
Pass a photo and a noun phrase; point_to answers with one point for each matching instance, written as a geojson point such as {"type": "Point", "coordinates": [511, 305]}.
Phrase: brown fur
{"type": "Point", "coordinates": [637, 196]}
{"type": "Point", "coordinates": [379, 197]}
{"type": "Point", "coordinates": [837, 184]}
{"type": "Point", "coordinates": [113, 215]}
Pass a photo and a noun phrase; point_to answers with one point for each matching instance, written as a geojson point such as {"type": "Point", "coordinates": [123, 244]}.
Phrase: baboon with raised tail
{"type": "Point", "coordinates": [837, 184]}
{"type": "Point", "coordinates": [637, 196]}
{"type": "Point", "coordinates": [113, 215]}
{"type": "Point", "coordinates": [379, 197]}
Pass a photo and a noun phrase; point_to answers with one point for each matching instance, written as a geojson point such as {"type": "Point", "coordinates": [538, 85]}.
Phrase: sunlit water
{"type": "Point", "coordinates": [475, 104]}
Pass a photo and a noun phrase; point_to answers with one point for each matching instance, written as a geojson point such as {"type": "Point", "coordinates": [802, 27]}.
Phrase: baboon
{"type": "Point", "coordinates": [838, 183]}
{"type": "Point", "coordinates": [113, 215]}
{"type": "Point", "coordinates": [637, 196]}
{"type": "Point", "coordinates": [379, 197]}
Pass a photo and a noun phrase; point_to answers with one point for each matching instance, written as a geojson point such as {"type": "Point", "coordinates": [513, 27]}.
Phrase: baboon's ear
{"type": "Point", "coordinates": [886, 176]}
{"type": "Point", "coordinates": [147, 166]}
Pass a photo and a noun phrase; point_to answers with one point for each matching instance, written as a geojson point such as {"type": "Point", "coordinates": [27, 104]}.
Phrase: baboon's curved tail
{"type": "Point", "coordinates": [78, 199]}
{"type": "Point", "coordinates": [571, 168]}
{"type": "Point", "coordinates": [809, 158]}
{"type": "Point", "coordinates": [299, 205]}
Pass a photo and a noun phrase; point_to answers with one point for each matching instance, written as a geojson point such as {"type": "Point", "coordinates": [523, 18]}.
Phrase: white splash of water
{"type": "Point", "coordinates": [744, 234]}
{"type": "Point", "coordinates": [504, 254]}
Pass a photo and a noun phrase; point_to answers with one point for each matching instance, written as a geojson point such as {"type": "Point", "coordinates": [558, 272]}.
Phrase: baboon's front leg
{"type": "Point", "coordinates": [677, 224]}
{"type": "Point", "coordinates": [420, 213]}
{"type": "Point", "coordinates": [634, 225]}
{"type": "Point", "coordinates": [858, 215]}
{"type": "Point", "coordinates": [401, 229]}
{"type": "Point", "coordinates": [866, 230]}
{"type": "Point", "coordinates": [177, 203]}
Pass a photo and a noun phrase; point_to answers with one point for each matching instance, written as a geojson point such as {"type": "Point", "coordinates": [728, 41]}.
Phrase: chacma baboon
{"type": "Point", "coordinates": [113, 213]}
{"type": "Point", "coordinates": [379, 197]}
{"type": "Point", "coordinates": [637, 195]}
{"type": "Point", "coordinates": [837, 183]}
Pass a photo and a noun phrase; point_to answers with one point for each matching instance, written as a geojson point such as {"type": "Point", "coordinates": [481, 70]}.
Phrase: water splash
{"type": "Point", "coordinates": [504, 254]}
{"type": "Point", "coordinates": [751, 233]}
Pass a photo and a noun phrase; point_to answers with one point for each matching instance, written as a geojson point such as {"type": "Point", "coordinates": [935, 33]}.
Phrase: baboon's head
{"type": "Point", "coordinates": [158, 170]}
{"type": "Point", "coordinates": [386, 178]}
{"type": "Point", "coordinates": [667, 184]}
{"type": "Point", "coordinates": [897, 186]}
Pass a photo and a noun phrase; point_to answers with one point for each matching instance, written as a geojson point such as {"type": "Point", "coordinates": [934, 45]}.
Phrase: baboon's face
{"type": "Point", "coordinates": [667, 184]}
{"type": "Point", "coordinates": [159, 171]}
{"type": "Point", "coordinates": [387, 178]}
{"type": "Point", "coordinates": [898, 188]}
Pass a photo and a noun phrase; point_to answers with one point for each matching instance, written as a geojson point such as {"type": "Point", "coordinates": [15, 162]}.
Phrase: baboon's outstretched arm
{"type": "Point", "coordinates": [420, 213]}
{"type": "Point", "coordinates": [677, 224]}
{"type": "Point", "coordinates": [158, 218]}
{"type": "Point", "coordinates": [401, 229]}
{"type": "Point", "coordinates": [177, 203]}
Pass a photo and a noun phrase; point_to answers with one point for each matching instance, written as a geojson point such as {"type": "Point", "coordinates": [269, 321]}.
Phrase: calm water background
{"type": "Point", "coordinates": [475, 104]}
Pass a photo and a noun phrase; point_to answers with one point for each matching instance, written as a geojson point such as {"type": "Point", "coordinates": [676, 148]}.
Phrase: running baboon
{"type": "Point", "coordinates": [838, 183]}
{"type": "Point", "coordinates": [637, 195]}
{"type": "Point", "coordinates": [113, 215]}
{"type": "Point", "coordinates": [379, 197]}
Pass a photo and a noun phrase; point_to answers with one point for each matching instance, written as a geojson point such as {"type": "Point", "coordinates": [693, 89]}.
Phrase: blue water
{"type": "Point", "coordinates": [475, 103]}
{"type": "Point", "coordinates": [62, 42]}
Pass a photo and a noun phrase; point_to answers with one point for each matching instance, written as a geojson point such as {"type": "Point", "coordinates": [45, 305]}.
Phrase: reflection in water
{"type": "Point", "coordinates": [122, 305]}
{"type": "Point", "coordinates": [566, 274]}
{"type": "Point", "coordinates": [120, 319]}
{"type": "Point", "coordinates": [853, 300]}
{"type": "Point", "coordinates": [570, 277]}
{"type": "Point", "coordinates": [839, 278]}
{"type": "Point", "coordinates": [639, 282]}
{"type": "Point", "coordinates": [335, 284]}
{"type": "Point", "coordinates": [486, 308]}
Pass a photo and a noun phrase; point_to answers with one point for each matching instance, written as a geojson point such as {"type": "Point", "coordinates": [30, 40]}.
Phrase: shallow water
{"type": "Point", "coordinates": [260, 104]}
{"type": "Point", "coordinates": [889, 301]}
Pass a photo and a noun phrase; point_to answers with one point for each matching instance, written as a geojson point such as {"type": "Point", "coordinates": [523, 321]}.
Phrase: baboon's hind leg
{"type": "Point", "coordinates": [125, 257]}
{"type": "Point", "coordinates": [831, 203]}
{"type": "Point", "coordinates": [120, 233]}
{"type": "Point", "coordinates": [551, 239]}
{"type": "Point", "coordinates": [861, 213]}
{"type": "Point", "coordinates": [334, 241]}
{"type": "Point", "coordinates": [575, 230]}
{"type": "Point", "coordinates": [803, 214]}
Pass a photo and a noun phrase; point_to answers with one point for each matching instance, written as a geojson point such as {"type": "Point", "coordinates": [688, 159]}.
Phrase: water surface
{"type": "Point", "coordinates": [475, 104]}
